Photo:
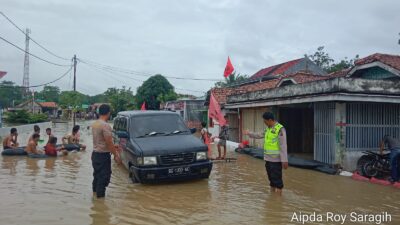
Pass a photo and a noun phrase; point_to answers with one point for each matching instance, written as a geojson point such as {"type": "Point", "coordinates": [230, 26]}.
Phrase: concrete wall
{"type": "Point", "coordinates": [349, 161]}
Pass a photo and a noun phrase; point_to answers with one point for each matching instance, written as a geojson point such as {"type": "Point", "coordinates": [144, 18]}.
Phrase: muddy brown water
{"type": "Point", "coordinates": [58, 191]}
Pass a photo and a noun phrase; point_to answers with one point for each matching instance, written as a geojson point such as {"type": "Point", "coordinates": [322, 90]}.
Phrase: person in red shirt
{"type": "Point", "coordinates": [51, 149]}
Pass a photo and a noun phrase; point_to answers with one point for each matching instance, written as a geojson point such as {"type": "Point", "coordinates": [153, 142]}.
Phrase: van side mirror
{"type": "Point", "coordinates": [193, 130]}
{"type": "Point", "coordinates": [122, 134]}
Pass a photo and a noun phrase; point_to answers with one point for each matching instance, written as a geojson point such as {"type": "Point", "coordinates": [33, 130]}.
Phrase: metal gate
{"type": "Point", "coordinates": [367, 123]}
{"type": "Point", "coordinates": [324, 132]}
{"type": "Point", "coordinates": [233, 120]}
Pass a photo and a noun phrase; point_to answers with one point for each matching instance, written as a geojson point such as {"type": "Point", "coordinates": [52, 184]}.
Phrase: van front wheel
{"type": "Point", "coordinates": [132, 176]}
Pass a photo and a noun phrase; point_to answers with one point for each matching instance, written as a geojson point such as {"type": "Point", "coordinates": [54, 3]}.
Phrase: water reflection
{"type": "Point", "coordinates": [10, 163]}
{"type": "Point", "coordinates": [100, 212]}
{"type": "Point", "coordinates": [32, 167]}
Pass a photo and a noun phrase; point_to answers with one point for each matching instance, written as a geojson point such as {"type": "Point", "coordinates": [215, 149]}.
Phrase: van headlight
{"type": "Point", "coordinates": [147, 161]}
{"type": "Point", "coordinates": [201, 156]}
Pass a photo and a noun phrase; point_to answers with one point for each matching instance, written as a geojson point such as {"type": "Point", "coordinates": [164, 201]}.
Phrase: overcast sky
{"type": "Point", "coordinates": [189, 38]}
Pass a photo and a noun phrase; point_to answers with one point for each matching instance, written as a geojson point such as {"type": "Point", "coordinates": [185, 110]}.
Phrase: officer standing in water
{"type": "Point", "coordinates": [275, 150]}
{"type": "Point", "coordinates": [103, 147]}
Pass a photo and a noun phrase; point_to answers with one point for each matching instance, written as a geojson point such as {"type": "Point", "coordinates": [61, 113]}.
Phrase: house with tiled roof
{"type": "Point", "coordinates": [290, 67]}
{"type": "Point", "coordinates": [49, 108]}
{"type": "Point", "coordinates": [330, 118]}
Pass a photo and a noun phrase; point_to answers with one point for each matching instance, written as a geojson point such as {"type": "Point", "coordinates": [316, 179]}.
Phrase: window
{"type": "Point", "coordinates": [163, 124]}
{"type": "Point", "coordinates": [286, 83]}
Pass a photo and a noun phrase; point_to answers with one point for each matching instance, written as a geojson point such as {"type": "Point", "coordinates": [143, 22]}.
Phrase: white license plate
{"type": "Point", "coordinates": [179, 170]}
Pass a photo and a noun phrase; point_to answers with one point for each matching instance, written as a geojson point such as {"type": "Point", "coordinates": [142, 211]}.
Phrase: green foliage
{"type": "Point", "coordinates": [72, 99]}
{"type": "Point", "coordinates": [170, 96]}
{"type": "Point", "coordinates": [323, 60]}
{"type": "Point", "coordinates": [233, 78]}
{"type": "Point", "coordinates": [155, 90]}
{"type": "Point", "coordinates": [98, 98]}
{"type": "Point", "coordinates": [10, 94]}
{"type": "Point", "coordinates": [49, 94]}
{"type": "Point", "coordinates": [120, 99]}
{"type": "Point", "coordinates": [23, 116]}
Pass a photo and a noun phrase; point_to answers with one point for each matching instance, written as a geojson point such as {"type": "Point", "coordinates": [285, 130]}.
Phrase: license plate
{"type": "Point", "coordinates": [178, 170]}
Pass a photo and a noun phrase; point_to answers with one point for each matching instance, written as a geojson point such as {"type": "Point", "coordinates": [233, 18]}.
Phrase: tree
{"type": "Point", "coordinates": [10, 94]}
{"type": "Point", "coordinates": [120, 99]}
{"type": "Point", "coordinates": [98, 98]}
{"type": "Point", "coordinates": [233, 78]}
{"type": "Point", "coordinates": [153, 91]}
{"type": "Point", "coordinates": [49, 94]}
{"type": "Point", "coordinates": [323, 60]}
{"type": "Point", "coordinates": [343, 64]}
{"type": "Point", "coordinates": [72, 99]}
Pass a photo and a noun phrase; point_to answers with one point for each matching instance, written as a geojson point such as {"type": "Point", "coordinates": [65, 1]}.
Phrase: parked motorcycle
{"type": "Point", "coordinates": [373, 164]}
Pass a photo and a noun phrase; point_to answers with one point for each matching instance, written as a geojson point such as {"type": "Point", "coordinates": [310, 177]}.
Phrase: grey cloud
{"type": "Point", "coordinates": [191, 38]}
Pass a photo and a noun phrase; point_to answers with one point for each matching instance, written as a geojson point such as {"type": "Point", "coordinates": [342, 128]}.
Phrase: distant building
{"type": "Point", "coordinates": [192, 111]}
{"type": "Point", "coordinates": [49, 108]}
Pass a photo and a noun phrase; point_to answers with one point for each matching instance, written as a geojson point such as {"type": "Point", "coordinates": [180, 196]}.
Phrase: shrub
{"type": "Point", "coordinates": [23, 116]}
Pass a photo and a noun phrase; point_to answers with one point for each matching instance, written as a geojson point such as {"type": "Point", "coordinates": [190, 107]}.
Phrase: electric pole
{"type": "Point", "coordinates": [74, 113]}
{"type": "Point", "coordinates": [25, 81]}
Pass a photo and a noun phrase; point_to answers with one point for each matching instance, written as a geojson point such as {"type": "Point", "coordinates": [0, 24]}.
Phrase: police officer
{"type": "Point", "coordinates": [275, 150]}
{"type": "Point", "coordinates": [103, 147]}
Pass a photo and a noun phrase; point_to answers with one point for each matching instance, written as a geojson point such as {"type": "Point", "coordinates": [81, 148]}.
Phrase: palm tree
{"type": "Point", "coordinates": [232, 79]}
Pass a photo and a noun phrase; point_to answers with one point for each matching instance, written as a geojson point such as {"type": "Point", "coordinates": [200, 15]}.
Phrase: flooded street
{"type": "Point", "coordinates": [58, 191]}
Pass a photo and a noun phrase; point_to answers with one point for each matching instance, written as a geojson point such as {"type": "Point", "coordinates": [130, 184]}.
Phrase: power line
{"type": "Point", "coordinates": [128, 77]}
{"type": "Point", "coordinates": [44, 84]}
{"type": "Point", "coordinates": [44, 60]}
{"type": "Point", "coordinates": [137, 73]}
{"type": "Point", "coordinates": [41, 46]}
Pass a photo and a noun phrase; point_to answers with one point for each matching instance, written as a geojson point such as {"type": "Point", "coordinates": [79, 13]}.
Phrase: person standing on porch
{"type": "Point", "coordinates": [275, 150]}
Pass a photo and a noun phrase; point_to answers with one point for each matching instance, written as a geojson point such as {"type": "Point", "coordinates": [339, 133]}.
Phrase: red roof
{"type": "Point", "coordinates": [390, 60]}
{"type": "Point", "coordinates": [221, 94]}
{"type": "Point", "coordinates": [2, 74]}
{"type": "Point", "coordinates": [340, 73]}
{"type": "Point", "coordinates": [48, 104]}
{"type": "Point", "coordinates": [304, 77]}
{"type": "Point", "coordinates": [276, 69]}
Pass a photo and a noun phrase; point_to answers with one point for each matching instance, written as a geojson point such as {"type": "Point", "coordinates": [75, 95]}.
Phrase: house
{"type": "Point", "coordinates": [294, 71]}
{"type": "Point", "coordinates": [331, 118]}
{"type": "Point", "coordinates": [50, 108]}
{"type": "Point", "coordinates": [192, 111]}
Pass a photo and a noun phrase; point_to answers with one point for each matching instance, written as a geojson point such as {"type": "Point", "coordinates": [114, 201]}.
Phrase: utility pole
{"type": "Point", "coordinates": [74, 113]}
{"type": "Point", "coordinates": [25, 81]}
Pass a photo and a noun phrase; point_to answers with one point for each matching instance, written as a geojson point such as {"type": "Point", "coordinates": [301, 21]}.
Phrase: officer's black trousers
{"type": "Point", "coordinates": [101, 163]}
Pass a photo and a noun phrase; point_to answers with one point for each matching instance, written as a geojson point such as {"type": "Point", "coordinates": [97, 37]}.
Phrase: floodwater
{"type": "Point", "coordinates": [58, 191]}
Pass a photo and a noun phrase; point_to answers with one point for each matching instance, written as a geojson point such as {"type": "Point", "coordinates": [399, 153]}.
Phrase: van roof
{"type": "Point", "coordinates": [147, 112]}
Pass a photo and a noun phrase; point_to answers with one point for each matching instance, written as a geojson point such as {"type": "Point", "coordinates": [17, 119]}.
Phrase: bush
{"type": "Point", "coordinates": [24, 116]}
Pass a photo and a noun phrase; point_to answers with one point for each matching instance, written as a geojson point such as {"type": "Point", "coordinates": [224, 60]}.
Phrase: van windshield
{"type": "Point", "coordinates": [142, 126]}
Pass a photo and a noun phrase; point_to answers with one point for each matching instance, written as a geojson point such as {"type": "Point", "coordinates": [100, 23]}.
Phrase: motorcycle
{"type": "Point", "coordinates": [373, 164]}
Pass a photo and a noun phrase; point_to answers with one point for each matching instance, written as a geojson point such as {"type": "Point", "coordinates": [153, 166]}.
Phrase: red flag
{"type": "Point", "coordinates": [214, 111]}
{"type": "Point", "coordinates": [2, 74]}
{"type": "Point", "coordinates": [143, 108]}
{"type": "Point", "coordinates": [228, 68]}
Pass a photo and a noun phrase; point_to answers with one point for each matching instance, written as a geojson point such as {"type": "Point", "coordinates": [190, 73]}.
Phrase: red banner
{"type": "Point", "coordinates": [214, 111]}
